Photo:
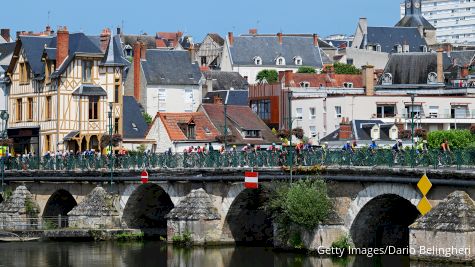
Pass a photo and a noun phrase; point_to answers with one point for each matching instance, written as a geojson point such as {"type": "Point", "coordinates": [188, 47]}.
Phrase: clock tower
{"type": "Point", "coordinates": [413, 18]}
{"type": "Point", "coordinates": [413, 7]}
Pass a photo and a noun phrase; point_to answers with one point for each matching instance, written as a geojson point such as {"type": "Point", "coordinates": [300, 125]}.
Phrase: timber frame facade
{"type": "Point", "coordinates": [61, 102]}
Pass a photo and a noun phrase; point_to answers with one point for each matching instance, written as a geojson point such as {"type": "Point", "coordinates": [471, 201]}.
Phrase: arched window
{"type": "Point", "coordinates": [258, 60]}
{"type": "Point", "coordinates": [398, 48]}
{"type": "Point", "coordinates": [378, 48]}
{"type": "Point", "coordinates": [298, 61]}
{"type": "Point", "coordinates": [387, 79]}
{"type": "Point", "coordinates": [424, 48]}
{"type": "Point", "coordinates": [348, 85]}
{"type": "Point", "coordinates": [280, 61]}
{"type": "Point", "coordinates": [305, 84]}
{"type": "Point", "coordinates": [432, 78]}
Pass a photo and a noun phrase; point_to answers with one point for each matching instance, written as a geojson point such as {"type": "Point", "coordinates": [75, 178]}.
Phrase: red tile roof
{"type": "Point", "coordinates": [328, 80]}
{"type": "Point", "coordinates": [239, 118]}
{"type": "Point", "coordinates": [171, 121]}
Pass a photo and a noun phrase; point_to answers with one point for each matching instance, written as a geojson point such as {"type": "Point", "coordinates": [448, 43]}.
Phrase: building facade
{"type": "Point", "coordinates": [62, 88]}
{"type": "Point", "coordinates": [454, 19]}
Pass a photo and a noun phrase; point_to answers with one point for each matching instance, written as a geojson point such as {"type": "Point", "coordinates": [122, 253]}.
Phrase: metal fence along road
{"type": "Point", "coordinates": [360, 157]}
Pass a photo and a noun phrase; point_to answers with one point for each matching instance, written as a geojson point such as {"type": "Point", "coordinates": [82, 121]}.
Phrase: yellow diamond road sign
{"type": "Point", "coordinates": [424, 185]}
{"type": "Point", "coordinates": [424, 206]}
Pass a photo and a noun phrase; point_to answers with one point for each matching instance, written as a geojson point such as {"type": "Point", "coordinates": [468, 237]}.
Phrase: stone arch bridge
{"type": "Point", "coordinates": [375, 206]}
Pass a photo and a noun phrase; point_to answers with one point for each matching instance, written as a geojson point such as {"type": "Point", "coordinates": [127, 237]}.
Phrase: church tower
{"type": "Point", "coordinates": [414, 18]}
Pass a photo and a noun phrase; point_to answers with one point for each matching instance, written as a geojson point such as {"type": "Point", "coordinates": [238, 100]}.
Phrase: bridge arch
{"type": "Point", "coordinates": [147, 207]}
{"type": "Point", "coordinates": [246, 220]}
{"type": "Point", "coordinates": [1, 198]}
{"type": "Point", "coordinates": [381, 213]}
{"type": "Point", "coordinates": [58, 205]}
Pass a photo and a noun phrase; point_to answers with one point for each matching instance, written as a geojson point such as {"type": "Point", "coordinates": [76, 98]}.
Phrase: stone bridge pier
{"type": "Point", "coordinates": [373, 213]}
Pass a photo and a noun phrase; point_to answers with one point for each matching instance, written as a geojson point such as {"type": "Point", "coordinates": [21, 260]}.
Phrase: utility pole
{"type": "Point", "coordinates": [111, 159]}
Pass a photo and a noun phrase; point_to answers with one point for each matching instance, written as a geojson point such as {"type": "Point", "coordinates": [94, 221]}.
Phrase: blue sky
{"type": "Point", "coordinates": [199, 17]}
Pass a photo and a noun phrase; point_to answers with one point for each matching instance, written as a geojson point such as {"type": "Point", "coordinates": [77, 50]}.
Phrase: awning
{"type": "Point", "coordinates": [415, 103]}
{"type": "Point", "coordinates": [459, 104]}
{"type": "Point", "coordinates": [386, 103]}
{"type": "Point", "coordinates": [71, 135]}
{"type": "Point", "coordinates": [90, 90]}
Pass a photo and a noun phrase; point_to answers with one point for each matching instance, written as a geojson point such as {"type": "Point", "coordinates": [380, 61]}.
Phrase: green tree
{"type": "Point", "coordinates": [456, 138]}
{"type": "Point", "coordinates": [306, 69]}
{"type": "Point", "coordinates": [147, 117]}
{"type": "Point", "coordinates": [271, 76]}
{"type": "Point", "coordinates": [341, 68]}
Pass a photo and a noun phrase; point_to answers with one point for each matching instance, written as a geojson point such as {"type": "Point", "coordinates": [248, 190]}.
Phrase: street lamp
{"type": "Point", "coordinates": [290, 95]}
{"type": "Point", "coordinates": [4, 136]}
{"type": "Point", "coordinates": [413, 96]}
{"type": "Point", "coordinates": [225, 123]}
{"type": "Point", "coordinates": [111, 159]}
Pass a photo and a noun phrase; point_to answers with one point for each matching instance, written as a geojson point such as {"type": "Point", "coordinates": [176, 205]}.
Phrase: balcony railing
{"type": "Point", "coordinates": [310, 157]}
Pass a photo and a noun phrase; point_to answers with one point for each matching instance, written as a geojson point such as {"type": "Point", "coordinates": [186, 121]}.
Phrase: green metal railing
{"type": "Point", "coordinates": [361, 157]}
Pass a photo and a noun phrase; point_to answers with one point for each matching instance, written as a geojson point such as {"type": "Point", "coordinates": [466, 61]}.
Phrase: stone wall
{"type": "Point", "coordinates": [202, 231]}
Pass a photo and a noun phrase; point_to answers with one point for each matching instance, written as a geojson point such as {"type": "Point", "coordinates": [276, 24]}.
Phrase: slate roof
{"type": "Point", "coordinates": [33, 47]}
{"type": "Point", "coordinates": [389, 37]}
{"type": "Point", "coordinates": [170, 67]}
{"type": "Point", "coordinates": [361, 130]}
{"type": "Point", "coordinates": [413, 68]}
{"type": "Point", "coordinates": [6, 50]}
{"type": "Point", "coordinates": [246, 48]}
{"type": "Point", "coordinates": [70, 135]}
{"type": "Point", "coordinates": [415, 20]}
{"type": "Point", "coordinates": [223, 80]}
{"type": "Point", "coordinates": [89, 90]}
{"type": "Point", "coordinates": [204, 129]}
{"type": "Point", "coordinates": [114, 55]}
{"type": "Point", "coordinates": [463, 58]}
{"type": "Point", "coordinates": [239, 118]}
{"type": "Point", "coordinates": [134, 125]}
{"type": "Point", "coordinates": [233, 97]}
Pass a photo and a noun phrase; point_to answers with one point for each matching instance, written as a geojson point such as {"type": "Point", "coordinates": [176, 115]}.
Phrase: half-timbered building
{"type": "Point", "coordinates": [62, 89]}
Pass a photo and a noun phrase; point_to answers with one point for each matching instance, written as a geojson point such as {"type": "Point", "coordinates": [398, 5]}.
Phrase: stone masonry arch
{"type": "Point", "coordinates": [405, 191]}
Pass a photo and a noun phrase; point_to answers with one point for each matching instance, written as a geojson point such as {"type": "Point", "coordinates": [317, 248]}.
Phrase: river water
{"type": "Point", "coordinates": [150, 253]}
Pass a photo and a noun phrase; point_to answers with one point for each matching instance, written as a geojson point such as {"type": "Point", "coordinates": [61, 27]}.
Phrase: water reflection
{"type": "Point", "coordinates": [45, 254]}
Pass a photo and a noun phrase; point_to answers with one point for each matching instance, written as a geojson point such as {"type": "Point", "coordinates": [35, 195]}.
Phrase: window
{"type": "Point", "coordinates": [116, 90]}
{"type": "Point", "coordinates": [313, 131]}
{"type": "Point", "coordinates": [19, 109]}
{"type": "Point", "coordinates": [348, 85]}
{"type": "Point", "coordinates": [191, 131]}
{"type": "Point", "coordinates": [203, 61]}
{"type": "Point", "coordinates": [116, 125]}
{"type": "Point", "coordinates": [280, 61]}
{"type": "Point", "coordinates": [87, 71]}
{"type": "Point", "coordinates": [258, 60]}
{"type": "Point", "coordinates": [433, 111]}
{"type": "Point", "coordinates": [93, 107]}
{"type": "Point", "coordinates": [305, 84]}
{"type": "Point", "coordinates": [459, 112]}
{"type": "Point", "coordinates": [399, 48]}
{"type": "Point", "coordinates": [24, 73]}
{"type": "Point", "coordinates": [378, 48]}
{"type": "Point", "coordinates": [48, 142]}
{"type": "Point", "coordinates": [299, 113]}
{"type": "Point", "coordinates": [48, 107]}
{"type": "Point", "coordinates": [252, 134]}
{"type": "Point", "coordinates": [424, 48]}
{"type": "Point", "coordinates": [312, 113]}
{"type": "Point", "coordinates": [415, 110]}
{"type": "Point", "coordinates": [338, 111]}
{"type": "Point", "coordinates": [406, 48]}
{"type": "Point", "coordinates": [385, 111]}
{"type": "Point", "coordinates": [30, 109]}
{"type": "Point", "coordinates": [162, 97]}
{"type": "Point", "coordinates": [48, 70]}
{"type": "Point", "coordinates": [298, 61]}
{"type": "Point", "coordinates": [261, 108]}
{"type": "Point", "coordinates": [188, 100]}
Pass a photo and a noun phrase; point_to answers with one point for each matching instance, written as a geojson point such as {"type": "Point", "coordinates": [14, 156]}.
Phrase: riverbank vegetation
{"type": "Point", "coordinates": [127, 236]}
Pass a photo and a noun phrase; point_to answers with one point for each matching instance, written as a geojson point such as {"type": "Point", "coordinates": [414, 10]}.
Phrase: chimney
{"type": "Point", "coordinates": [5, 33]}
{"type": "Point", "coordinates": [345, 129]}
{"type": "Point", "coordinates": [105, 37]}
{"type": "Point", "coordinates": [137, 69]}
{"type": "Point", "coordinates": [143, 51]}
{"type": "Point", "coordinates": [192, 54]}
{"type": "Point", "coordinates": [315, 40]}
{"type": "Point", "coordinates": [231, 38]}
{"type": "Point", "coordinates": [279, 37]}
{"type": "Point", "coordinates": [289, 78]}
{"type": "Point", "coordinates": [253, 31]}
{"type": "Point", "coordinates": [62, 45]}
{"type": "Point", "coordinates": [368, 79]}
{"type": "Point", "coordinates": [48, 31]}
{"type": "Point", "coordinates": [363, 25]}
{"type": "Point", "coordinates": [440, 65]}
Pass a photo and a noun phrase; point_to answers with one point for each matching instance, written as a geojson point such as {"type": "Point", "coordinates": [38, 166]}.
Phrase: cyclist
{"type": "Point", "coordinates": [397, 150]}
{"type": "Point", "coordinates": [347, 147]}
{"type": "Point", "coordinates": [373, 146]}
{"type": "Point", "coordinates": [445, 147]}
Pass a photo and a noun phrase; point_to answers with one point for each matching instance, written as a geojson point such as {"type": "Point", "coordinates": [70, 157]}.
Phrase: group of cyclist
{"type": "Point", "coordinates": [421, 146]}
